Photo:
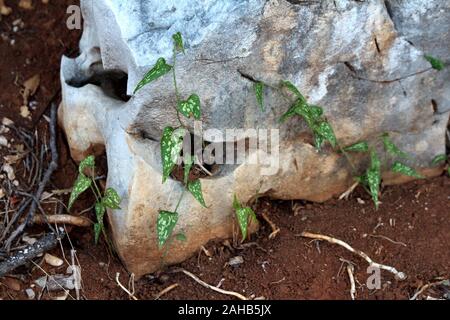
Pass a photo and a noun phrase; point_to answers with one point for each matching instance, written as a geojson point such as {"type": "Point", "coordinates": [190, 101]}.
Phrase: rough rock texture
{"type": "Point", "coordinates": [361, 60]}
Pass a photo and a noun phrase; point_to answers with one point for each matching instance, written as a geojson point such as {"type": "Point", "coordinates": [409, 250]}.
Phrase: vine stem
{"type": "Point", "coordinates": [179, 201]}
{"type": "Point", "coordinates": [177, 92]}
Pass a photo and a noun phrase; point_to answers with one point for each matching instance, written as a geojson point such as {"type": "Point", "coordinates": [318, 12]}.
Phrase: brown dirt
{"type": "Point", "coordinates": [287, 267]}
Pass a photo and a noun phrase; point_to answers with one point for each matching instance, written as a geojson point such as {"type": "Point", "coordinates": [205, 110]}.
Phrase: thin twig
{"type": "Point", "coordinates": [388, 239]}
{"type": "Point", "coordinates": [349, 191]}
{"type": "Point", "coordinates": [399, 275]}
{"type": "Point", "coordinates": [49, 172]}
{"type": "Point", "coordinates": [273, 226]}
{"type": "Point", "coordinates": [132, 296]}
{"type": "Point", "coordinates": [166, 290]}
{"type": "Point", "coordinates": [350, 270]}
{"type": "Point", "coordinates": [206, 285]}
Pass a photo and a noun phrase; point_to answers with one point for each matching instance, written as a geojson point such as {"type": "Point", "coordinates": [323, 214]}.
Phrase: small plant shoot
{"type": "Point", "coordinates": [313, 116]}
{"type": "Point", "coordinates": [109, 199]}
{"type": "Point", "coordinates": [244, 215]}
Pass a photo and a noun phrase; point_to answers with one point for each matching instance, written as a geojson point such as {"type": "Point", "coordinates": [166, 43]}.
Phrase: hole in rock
{"type": "Point", "coordinates": [113, 83]}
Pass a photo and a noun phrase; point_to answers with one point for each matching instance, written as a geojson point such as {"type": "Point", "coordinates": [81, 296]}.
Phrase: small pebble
{"type": "Point", "coordinates": [30, 293]}
{"type": "Point", "coordinates": [236, 261]}
{"type": "Point", "coordinates": [53, 261]}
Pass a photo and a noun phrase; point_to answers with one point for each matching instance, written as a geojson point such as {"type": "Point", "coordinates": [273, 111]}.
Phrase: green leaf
{"type": "Point", "coordinates": [191, 107]}
{"type": "Point", "coordinates": [81, 185]}
{"type": "Point", "coordinates": [438, 159]}
{"type": "Point", "coordinates": [448, 171]}
{"type": "Point", "coordinates": [242, 218]}
{"type": "Point", "coordinates": [318, 141]}
{"type": "Point", "coordinates": [435, 62]}
{"type": "Point", "coordinates": [195, 187]}
{"type": "Point", "coordinates": [158, 70]}
{"type": "Point", "coordinates": [100, 211]}
{"type": "Point", "coordinates": [188, 163]}
{"type": "Point", "coordinates": [316, 112]}
{"type": "Point", "coordinates": [171, 145]}
{"type": "Point", "coordinates": [178, 40]}
{"type": "Point", "coordinates": [292, 88]}
{"type": "Point", "coordinates": [89, 162]}
{"type": "Point", "coordinates": [373, 178]}
{"type": "Point", "coordinates": [375, 163]}
{"type": "Point", "coordinates": [98, 228]}
{"type": "Point", "coordinates": [181, 237]}
{"type": "Point", "coordinates": [111, 199]}
{"type": "Point", "coordinates": [325, 130]}
{"type": "Point", "coordinates": [391, 148]}
{"type": "Point", "coordinates": [398, 167]}
{"type": "Point", "coordinates": [362, 146]}
{"type": "Point", "coordinates": [166, 222]}
{"type": "Point", "coordinates": [259, 92]}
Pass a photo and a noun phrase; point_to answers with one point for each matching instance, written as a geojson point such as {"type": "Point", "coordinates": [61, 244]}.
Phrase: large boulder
{"type": "Point", "coordinates": [363, 61]}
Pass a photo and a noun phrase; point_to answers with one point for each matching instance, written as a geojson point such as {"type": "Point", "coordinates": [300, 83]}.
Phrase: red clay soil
{"type": "Point", "coordinates": [410, 231]}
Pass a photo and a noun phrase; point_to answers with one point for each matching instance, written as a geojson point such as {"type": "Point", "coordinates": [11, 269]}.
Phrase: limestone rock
{"type": "Point", "coordinates": [363, 61]}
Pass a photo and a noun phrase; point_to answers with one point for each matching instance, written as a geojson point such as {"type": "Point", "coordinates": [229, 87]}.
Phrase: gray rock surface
{"type": "Point", "coordinates": [363, 61]}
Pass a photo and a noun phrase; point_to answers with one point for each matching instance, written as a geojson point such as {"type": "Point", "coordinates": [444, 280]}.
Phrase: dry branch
{"type": "Point", "coordinates": [42, 245]}
{"type": "Point", "coordinates": [62, 219]}
{"type": "Point", "coordinates": [40, 190]}
{"type": "Point", "coordinates": [399, 275]}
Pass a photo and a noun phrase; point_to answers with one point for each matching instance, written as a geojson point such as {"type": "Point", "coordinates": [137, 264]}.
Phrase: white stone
{"type": "Point", "coordinates": [327, 48]}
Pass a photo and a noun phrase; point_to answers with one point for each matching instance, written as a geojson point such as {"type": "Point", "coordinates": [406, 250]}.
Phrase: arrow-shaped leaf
{"type": "Point", "coordinates": [89, 162]}
{"type": "Point", "coordinates": [111, 199]}
{"type": "Point", "coordinates": [191, 107]}
{"type": "Point", "coordinates": [158, 70]}
{"type": "Point", "coordinates": [373, 178]}
{"type": "Point", "coordinates": [171, 145]}
{"type": "Point", "coordinates": [401, 168]}
{"type": "Point", "coordinates": [195, 187]}
{"type": "Point", "coordinates": [166, 223]}
{"type": "Point", "coordinates": [81, 185]}
{"type": "Point", "coordinates": [325, 130]}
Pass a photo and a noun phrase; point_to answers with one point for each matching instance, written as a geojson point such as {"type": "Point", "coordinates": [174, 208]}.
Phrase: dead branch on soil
{"type": "Point", "coordinates": [206, 285]}
{"type": "Point", "coordinates": [273, 226]}
{"type": "Point", "coordinates": [62, 219]}
{"type": "Point", "coordinates": [21, 257]}
{"type": "Point", "coordinates": [130, 294]}
{"type": "Point", "coordinates": [43, 183]}
{"type": "Point", "coordinates": [426, 287]}
{"type": "Point", "coordinates": [399, 275]}
{"type": "Point", "coordinates": [166, 290]}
